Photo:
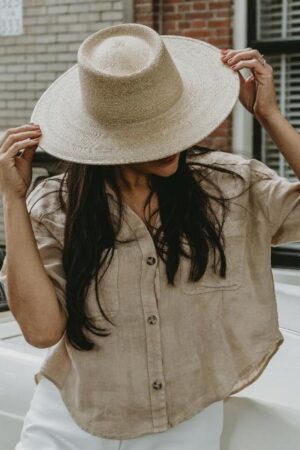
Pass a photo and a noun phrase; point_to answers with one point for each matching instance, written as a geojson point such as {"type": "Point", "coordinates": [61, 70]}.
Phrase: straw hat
{"type": "Point", "coordinates": [133, 96]}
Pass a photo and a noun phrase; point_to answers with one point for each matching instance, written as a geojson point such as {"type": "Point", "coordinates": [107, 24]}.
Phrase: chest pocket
{"type": "Point", "coordinates": [235, 241]}
{"type": "Point", "coordinates": [108, 288]}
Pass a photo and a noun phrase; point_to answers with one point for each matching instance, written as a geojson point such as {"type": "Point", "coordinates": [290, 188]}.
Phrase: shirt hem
{"type": "Point", "coordinates": [244, 379]}
{"type": "Point", "coordinates": [256, 369]}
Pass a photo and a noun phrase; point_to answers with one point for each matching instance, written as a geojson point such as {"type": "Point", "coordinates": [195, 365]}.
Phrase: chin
{"type": "Point", "coordinates": [167, 171]}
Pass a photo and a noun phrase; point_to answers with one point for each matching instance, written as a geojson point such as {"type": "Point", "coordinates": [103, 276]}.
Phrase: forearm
{"type": "Point", "coordinates": [285, 137]}
{"type": "Point", "coordinates": [31, 294]}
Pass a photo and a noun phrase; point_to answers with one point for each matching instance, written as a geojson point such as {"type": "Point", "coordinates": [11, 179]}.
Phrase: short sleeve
{"type": "Point", "coordinates": [47, 229]}
{"type": "Point", "coordinates": [280, 201]}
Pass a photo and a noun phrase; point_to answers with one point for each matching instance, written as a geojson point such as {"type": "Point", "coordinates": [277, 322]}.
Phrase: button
{"type": "Point", "coordinates": [151, 260]}
{"type": "Point", "coordinates": [152, 319]}
{"type": "Point", "coordinates": [157, 385]}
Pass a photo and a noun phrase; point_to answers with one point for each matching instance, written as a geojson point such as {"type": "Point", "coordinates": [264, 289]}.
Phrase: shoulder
{"type": "Point", "coordinates": [44, 197]}
{"type": "Point", "coordinates": [209, 156]}
{"type": "Point", "coordinates": [249, 167]}
{"type": "Point", "coordinates": [237, 175]}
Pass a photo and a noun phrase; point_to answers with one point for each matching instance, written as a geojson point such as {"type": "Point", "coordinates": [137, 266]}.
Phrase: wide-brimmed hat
{"type": "Point", "coordinates": [133, 96]}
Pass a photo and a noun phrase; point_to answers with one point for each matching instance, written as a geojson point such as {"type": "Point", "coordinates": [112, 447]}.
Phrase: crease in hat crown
{"type": "Point", "coordinates": [127, 74]}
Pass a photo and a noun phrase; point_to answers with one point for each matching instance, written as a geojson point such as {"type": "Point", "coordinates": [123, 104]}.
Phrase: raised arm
{"type": "Point", "coordinates": [257, 94]}
{"type": "Point", "coordinates": [31, 295]}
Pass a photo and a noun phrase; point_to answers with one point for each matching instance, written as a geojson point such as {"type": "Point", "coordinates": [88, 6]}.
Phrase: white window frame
{"type": "Point", "coordinates": [242, 127]}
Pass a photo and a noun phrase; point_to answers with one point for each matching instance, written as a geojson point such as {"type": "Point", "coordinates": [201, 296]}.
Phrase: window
{"type": "Point", "coordinates": [274, 29]}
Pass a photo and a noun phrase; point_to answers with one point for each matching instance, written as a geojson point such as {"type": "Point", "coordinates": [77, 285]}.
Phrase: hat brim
{"type": "Point", "coordinates": [210, 92]}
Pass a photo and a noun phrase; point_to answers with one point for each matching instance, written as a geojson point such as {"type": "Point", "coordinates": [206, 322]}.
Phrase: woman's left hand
{"type": "Point", "coordinates": [257, 92]}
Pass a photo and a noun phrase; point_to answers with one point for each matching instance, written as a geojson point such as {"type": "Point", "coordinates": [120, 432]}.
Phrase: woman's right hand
{"type": "Point", "coordinates": [16, 170]}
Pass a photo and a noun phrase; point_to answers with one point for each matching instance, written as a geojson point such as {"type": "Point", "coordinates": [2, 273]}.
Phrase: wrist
{"type": "Point", "coordinates": [270, 118]}
{"type": "Point", "coordinates": [9, 199]}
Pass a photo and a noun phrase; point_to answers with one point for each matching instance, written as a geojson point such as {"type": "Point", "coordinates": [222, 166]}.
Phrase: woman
{"type": "Point", "coordinates": [114, 264]}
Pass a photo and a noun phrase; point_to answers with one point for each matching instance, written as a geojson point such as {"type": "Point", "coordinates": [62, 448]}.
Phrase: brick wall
{"type": "Point", "coordinates": [210, 21]}
{"type": "Point", "coordinates": [53, 31]}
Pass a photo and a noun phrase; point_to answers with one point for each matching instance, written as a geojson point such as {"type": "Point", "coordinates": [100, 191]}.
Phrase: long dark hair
{"type": "Point", "coordinates": [186, 211]}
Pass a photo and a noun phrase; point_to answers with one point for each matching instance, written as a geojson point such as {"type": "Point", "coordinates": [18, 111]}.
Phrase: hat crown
{"type": "Point", "coordinates": [118, 56]}
{"type": "Point", "coordinates": [127, 74]}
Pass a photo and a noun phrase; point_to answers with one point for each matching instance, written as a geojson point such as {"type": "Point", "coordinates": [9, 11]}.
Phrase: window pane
{"type": "Point", "coordinates": [293, 18]}
{"type": "Point", "coordinates": [279, 19]}
{"type": "Point", "coordinates": [269, 19]}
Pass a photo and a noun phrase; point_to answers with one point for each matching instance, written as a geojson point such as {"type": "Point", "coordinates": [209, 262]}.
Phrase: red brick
{"type": "Point", "coordinates": [169, 8]}
{"type": "Point", "coordinates": [200, 5]}
{"type": "Point", "coordinates": [195, 15]}
{"type": "Point", "coordinates": [220, 132]}
{"type": "Point", "coordinates": [223, 13]}
{"type": "Point", "coordinates": [199, 24]}
{"type": "Point", "coordinates": [171, 16]}
{"type": "Point", "coordinates": [184, 7]}
{"type": "Point", "coordinates": [197, 33]}
{"type": "Point", "coordinates": [183, 24]}
{"type": "Point", "coordinates": [222, 32]}
{"type": "Point", "coordinates": [170, 27]}
{"type": "Point", "coordinates": [219, 43]}
{"type": "Point", "coordinates": [226, 23]}
{"type": "Point", "coordinates": [219, 5]}
{"type": "Point", "coordinates": [207, 14]}
{"type": "Point", "coordinates": [202, 23]}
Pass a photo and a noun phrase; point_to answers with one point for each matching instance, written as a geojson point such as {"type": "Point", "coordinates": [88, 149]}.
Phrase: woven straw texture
{"type": "Point", "coordinates": [164, 106]}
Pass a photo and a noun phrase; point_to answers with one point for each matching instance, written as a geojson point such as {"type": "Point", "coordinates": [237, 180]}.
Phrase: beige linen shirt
{"type": "Point", "coordinates": [174, 350]}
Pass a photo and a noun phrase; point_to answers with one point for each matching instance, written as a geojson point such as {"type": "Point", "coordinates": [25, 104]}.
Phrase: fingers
{"type": "Point", "coordinates": [249, 64]}
{"type": "Point", "coordinates": [248, 58]}
{"type": "Point", "coordinates": [20, 145]}
{"type": "Point", "coordinates": [19, 134]}
{"type": "Point", "coordinates": [233, 56]}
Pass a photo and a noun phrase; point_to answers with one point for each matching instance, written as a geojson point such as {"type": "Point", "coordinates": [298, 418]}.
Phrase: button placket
{"type": "Point", "coordinates": [156, 377]}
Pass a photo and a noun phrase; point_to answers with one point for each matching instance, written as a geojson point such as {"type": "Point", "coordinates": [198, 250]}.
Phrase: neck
{"type": "Point", "coordinates": [131, 181]}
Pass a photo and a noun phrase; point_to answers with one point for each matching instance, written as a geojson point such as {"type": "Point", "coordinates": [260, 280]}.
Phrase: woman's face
{"type": "Point", "coordinates": [162, 167]}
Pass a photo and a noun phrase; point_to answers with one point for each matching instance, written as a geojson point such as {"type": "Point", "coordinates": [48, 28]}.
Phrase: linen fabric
{"type": "Point", "coordinates": [48, 425]}
{"type": "Point", "coordinates": [174, 349]}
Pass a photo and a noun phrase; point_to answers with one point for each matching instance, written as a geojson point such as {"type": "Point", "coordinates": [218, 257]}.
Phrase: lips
{"type": "Point", "coordinates": [168, 159]}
